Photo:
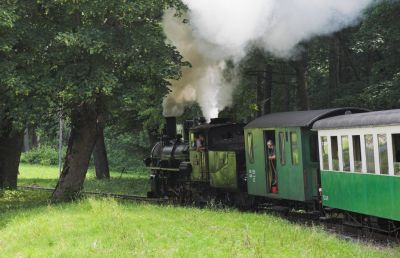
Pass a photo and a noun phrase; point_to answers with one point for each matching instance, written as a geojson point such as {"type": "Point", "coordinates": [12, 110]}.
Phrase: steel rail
{"type": "Point", "coordinates": [112, 195]}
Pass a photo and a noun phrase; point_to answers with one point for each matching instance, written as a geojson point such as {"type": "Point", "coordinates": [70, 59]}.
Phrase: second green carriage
{"type": "Point", "coordinates": [360, 163]}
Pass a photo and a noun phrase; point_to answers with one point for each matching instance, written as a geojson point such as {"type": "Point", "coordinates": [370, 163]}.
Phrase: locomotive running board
{"type": "Point", "coordinates": [166, 169]}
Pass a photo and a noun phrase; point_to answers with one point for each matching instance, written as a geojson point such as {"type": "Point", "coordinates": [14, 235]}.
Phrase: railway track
{"type": "Point", "coordinates": [338, 228]}
{"type": "Point", "coordinates": [137, 198]}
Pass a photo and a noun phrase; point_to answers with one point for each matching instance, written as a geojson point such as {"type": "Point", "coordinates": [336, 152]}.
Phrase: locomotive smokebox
{"type": "Point", "coordinates": [170, 126]}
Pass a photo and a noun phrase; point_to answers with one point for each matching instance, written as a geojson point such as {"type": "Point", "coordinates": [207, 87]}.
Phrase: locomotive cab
{"type": "Point", "coordinates": [217, 155]}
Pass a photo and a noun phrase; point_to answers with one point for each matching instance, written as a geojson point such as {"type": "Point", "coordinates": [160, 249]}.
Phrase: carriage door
{"type": "Point", "coordinates": [270, 161]}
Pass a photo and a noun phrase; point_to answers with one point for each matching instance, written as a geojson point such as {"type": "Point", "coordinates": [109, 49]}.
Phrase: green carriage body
{"type": "Point", "coordinates": [369, 194]}
{"type": "Point", "coordinates": [297, 164]}
{"type": "Point", "coordinates": [373, 187]}
{"type": "Point", "coordinates": [221, 164]}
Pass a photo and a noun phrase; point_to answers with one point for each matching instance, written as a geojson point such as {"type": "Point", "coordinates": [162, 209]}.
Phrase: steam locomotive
{"type": "Point", "coordinates": [342, 161]}
{"type": "Point", "coordinates": [181, 171]}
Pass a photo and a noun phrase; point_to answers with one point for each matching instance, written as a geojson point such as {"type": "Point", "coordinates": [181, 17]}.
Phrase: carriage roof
{"type": "Point", "coordinates": [370, 119]}
{"type": "Point", "coordinates": [298, 118]}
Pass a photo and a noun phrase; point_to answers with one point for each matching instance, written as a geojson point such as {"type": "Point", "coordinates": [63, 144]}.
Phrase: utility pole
{"type": "Point", "coordinates": [60, 137]}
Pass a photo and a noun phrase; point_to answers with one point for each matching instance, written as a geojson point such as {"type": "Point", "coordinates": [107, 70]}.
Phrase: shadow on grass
{"type": "Point", "coordinates": [13, 203]}
{"type": "Point", "coordinates": [134, 185]}
{"type": "Point", "coordinates": [40, 182]}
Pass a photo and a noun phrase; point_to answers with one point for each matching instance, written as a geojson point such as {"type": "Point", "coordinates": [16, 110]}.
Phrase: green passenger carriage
{"type": "Point", "coordinates": [360, 163]}
{"type": "Point", "coordinates": [295, 168]}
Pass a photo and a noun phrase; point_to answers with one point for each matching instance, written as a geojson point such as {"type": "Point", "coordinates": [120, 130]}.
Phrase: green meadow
{"type": "Point", "coordinates": [134, 182]}
{"type": "Point", "coordinates": [95, 227]}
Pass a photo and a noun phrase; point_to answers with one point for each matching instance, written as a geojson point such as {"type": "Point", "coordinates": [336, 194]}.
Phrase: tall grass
{"type": "Point", "coordinates": [107, 228]}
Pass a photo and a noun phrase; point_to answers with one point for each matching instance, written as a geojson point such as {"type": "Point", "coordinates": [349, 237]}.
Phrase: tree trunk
{"type": "Point", "coordinates": [84, 131]}
{"type": "Point", "coordinates": [334, 68]}
{"type": "Point", "coordinates": [267, 105]}
{"type": "Point", "coordinates": [34, 138]}
{"type": "Point", "coordinates": [100, 156]}
{"type": "Point", "coordinates": [11, 142]}
{"type": "Point", "coordinates": [302, 95]}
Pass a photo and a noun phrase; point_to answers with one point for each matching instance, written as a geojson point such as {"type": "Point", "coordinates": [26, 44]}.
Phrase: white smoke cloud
{"type": "Point", "coordinates": [275, 25]}
{"type": "Point", "coordinates": [204, 82]}
{"type": "Point", "coordinates": [226, 29]}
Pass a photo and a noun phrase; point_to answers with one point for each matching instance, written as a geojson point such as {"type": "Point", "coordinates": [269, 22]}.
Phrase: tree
{"type": "Point", "coordinates": [23, 95]}
{"type": "Point", "coordinates": [107, 50]}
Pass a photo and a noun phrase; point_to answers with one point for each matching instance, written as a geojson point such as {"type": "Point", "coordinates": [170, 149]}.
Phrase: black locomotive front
{"type": "Point", "coordinates": [169, 162]}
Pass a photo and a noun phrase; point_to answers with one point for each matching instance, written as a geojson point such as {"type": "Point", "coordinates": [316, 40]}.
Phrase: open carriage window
{"type": "Point", "coordinates": [396, 153]}
{"type": "Point", "coordinates": [383, 154]}
{"type": "Point", "coordinates": [324, 152]}
{"type": "Point", "coordinates": [357, 153]}
{"type": "Point", "coordinates": [345, 153]}
{"type": "Point", "coordinates": [335, 153]}
{"type": "Point", "coordinates": [369, 153]}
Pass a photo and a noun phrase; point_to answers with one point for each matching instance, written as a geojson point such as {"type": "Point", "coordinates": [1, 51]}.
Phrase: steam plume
{"type": "Point", "coordinates": [225, 29]}
{"type": "Point", "coordinates": [204, 82]}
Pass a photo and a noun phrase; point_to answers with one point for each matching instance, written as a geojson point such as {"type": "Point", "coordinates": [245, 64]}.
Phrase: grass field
{"type": "Point", "coordinates": [32, 227]}
{"type": "Point", "coordinates": [29, 227]}
{"type": "Point", "coordinates": [132, 182]}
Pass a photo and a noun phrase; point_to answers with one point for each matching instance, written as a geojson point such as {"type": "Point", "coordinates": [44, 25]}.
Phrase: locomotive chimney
{"type": "Point", "coordinates": [170, 126]}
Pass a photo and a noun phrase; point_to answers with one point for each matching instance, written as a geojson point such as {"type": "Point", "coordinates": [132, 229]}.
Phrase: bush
{"type": "Point", "coordinates": [44, 155]}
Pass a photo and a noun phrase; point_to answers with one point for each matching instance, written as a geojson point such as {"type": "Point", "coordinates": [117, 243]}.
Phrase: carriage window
{"type": "Point", "coordinates": [250, 147]}
{"type": "Point", "coordinates": [383, 154]}
{"type": "Point", "coordinates": [396, 153]}
{"type": "Point", "coordinates": [345, 153]}
{"type": "Point", "coordinates": [369, 153]}
{"type": "Point", "coordinates": [324, 151]}
{"type": "Point", "coordinates": [314, 147]}
{"type": "Point", "coordinates": [357, 153]}
{"type": "Point", "coordinates": [335, 153]}
{"type": "Point", "coordinates": [294, 147]}
{"type": "Point", "coordinates": [282, 148]}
